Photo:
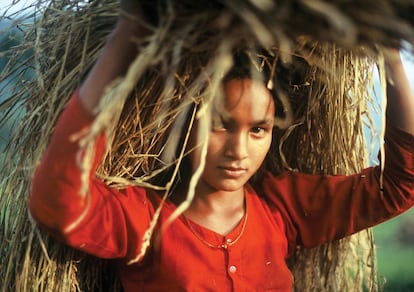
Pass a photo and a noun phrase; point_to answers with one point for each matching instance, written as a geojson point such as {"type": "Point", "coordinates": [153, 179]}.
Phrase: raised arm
{"type": "Point", "coordinates": [400, 99]}
{"type": "Point", "coordinates": [318, 209]}
{"type": "Point", "coordinates": [118, 53]}
{"type": "Point", "coordinates": [55, 200]}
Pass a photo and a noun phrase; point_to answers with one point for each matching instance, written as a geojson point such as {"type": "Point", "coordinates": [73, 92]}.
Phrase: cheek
{"type": "Point", "coordinates": [214, 149]}
{"type": "Point", "coordinates": [195, 158]}
{"type": "Point", "coordinates": [259, 151]}
{"type": "Point", "coordinates": [215, 146]}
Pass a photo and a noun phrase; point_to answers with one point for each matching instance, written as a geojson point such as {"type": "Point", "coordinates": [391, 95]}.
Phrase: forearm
{"type": "Point", "coordinates": [118, 53]}
{"type": "Point", "coordinates": [400, 99]}
{"type": "Point", "coordinates": [55, 199]}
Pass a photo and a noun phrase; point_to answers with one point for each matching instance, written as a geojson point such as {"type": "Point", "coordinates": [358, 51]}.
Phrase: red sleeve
{"type": "Point", "coordinates": [105, 222]}
{"type": "Point", "coordinates": [321, 208]}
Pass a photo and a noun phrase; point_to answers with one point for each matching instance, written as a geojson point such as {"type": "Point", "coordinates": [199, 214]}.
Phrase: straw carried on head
{"type": "Point", "coordinates": [328, 47]}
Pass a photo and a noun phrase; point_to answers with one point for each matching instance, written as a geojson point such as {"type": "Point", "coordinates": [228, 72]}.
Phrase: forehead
{"type": "Point", "coordinates": [248, 98]}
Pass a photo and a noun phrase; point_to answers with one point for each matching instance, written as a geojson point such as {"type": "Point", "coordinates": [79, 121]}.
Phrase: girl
{"type": "Point", "coordinates": [234, 235]}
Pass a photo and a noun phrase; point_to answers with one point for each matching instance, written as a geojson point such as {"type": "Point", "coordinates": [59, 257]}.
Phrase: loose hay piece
{"type": "Point", "coordinates": [328, 48]}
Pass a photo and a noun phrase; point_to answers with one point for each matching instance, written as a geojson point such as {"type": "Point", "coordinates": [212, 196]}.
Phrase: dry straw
{"type": "Point", "coordinates": [320, 55]}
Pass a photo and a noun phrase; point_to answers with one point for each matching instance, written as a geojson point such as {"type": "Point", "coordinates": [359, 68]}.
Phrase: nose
{"type": "Point", "coordinates": [237, 146]}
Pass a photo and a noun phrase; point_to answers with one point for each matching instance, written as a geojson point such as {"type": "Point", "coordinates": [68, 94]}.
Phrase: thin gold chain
{"type": "Point", "coordinates": [225, 245]}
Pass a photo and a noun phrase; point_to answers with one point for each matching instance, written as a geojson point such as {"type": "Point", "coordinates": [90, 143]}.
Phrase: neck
{"type": "Point", "coordinates": [219, 211]}
{"type": "Point", "coordinates": [219, 200]}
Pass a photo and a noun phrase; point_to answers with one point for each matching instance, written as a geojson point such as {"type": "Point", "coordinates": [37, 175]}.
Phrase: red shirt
{"type": "Point", "coordinates": [282, 212]}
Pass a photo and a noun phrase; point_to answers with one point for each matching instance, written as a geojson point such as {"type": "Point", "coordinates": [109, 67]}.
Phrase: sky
{"type": "Point", "coordinates": [16, 7]}
{"type": "Point", "coordinates": [409, 67]}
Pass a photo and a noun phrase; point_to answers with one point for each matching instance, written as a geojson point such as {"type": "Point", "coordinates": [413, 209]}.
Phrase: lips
{"type": "Point", "coordinates": [233, 172]}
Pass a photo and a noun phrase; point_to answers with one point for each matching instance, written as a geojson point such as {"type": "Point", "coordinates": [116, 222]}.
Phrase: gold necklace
{"type": "Point", "coordinates": [224, 245]}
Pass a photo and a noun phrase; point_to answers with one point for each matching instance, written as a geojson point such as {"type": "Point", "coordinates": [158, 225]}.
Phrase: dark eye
{"type": "Point", "coordinates": [258, 131]}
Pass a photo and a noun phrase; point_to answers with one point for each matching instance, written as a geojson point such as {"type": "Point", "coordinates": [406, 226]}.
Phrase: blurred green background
{"type": "Point", "coordinates": [395, 252]}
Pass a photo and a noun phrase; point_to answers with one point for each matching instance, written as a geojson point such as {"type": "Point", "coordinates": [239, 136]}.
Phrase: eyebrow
{"type": "Point", "coordinates": [266, 121]}
{"type": "Point", "coordinates": [269, 121]}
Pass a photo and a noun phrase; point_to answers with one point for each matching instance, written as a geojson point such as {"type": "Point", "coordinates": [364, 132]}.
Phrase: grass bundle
{"type": "Point", "coordinates": [320, 56]}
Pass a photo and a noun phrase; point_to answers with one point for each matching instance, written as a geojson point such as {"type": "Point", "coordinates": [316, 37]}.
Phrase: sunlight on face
{"type": "Point", "coordinates": [240, 136]}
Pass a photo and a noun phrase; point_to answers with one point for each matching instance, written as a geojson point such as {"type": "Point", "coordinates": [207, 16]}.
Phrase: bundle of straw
{"type": "Point", "coordinates": [326, 49]}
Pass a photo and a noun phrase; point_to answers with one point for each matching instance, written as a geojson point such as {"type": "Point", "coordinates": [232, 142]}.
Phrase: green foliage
{"type": "Point", "coordinates": [395, 257]}
{"type": "Point", "coordinates": [12, 76]}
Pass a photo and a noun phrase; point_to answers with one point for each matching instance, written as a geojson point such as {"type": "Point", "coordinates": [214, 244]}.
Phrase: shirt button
{"type": "Point", "coordinates": [232, 269]}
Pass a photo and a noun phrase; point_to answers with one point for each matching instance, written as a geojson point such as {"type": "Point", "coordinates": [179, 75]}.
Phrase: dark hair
{"type": "Point", "coordinates": [267, 66]}
{"type": "Point", "coordinates": [255, 64]}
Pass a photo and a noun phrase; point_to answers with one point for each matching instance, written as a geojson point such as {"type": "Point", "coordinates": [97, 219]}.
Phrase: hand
{"type": "Point", "coordinates": [141, 11]}
{"type": "Point", "coordinates": [131, 6]}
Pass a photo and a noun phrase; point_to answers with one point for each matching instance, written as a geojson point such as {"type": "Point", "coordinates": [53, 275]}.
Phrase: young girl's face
{"type": "Point", "coordinates": [240, 137]}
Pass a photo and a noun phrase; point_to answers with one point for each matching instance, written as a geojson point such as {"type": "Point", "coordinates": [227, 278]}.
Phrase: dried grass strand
{"type": "Point", "coordinates": [185, 61]}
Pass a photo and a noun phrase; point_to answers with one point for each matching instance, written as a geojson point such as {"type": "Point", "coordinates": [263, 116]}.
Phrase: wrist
{"type": "Point", "coordinates": [130, 25]}
{"type": "Point", "coordinates": [392, 57]}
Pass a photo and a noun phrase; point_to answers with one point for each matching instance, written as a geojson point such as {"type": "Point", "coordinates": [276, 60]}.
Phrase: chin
{"type": "Point", "coordinates": [230, 187]}
{"type": "Point", "coordinates": [226, 185]}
